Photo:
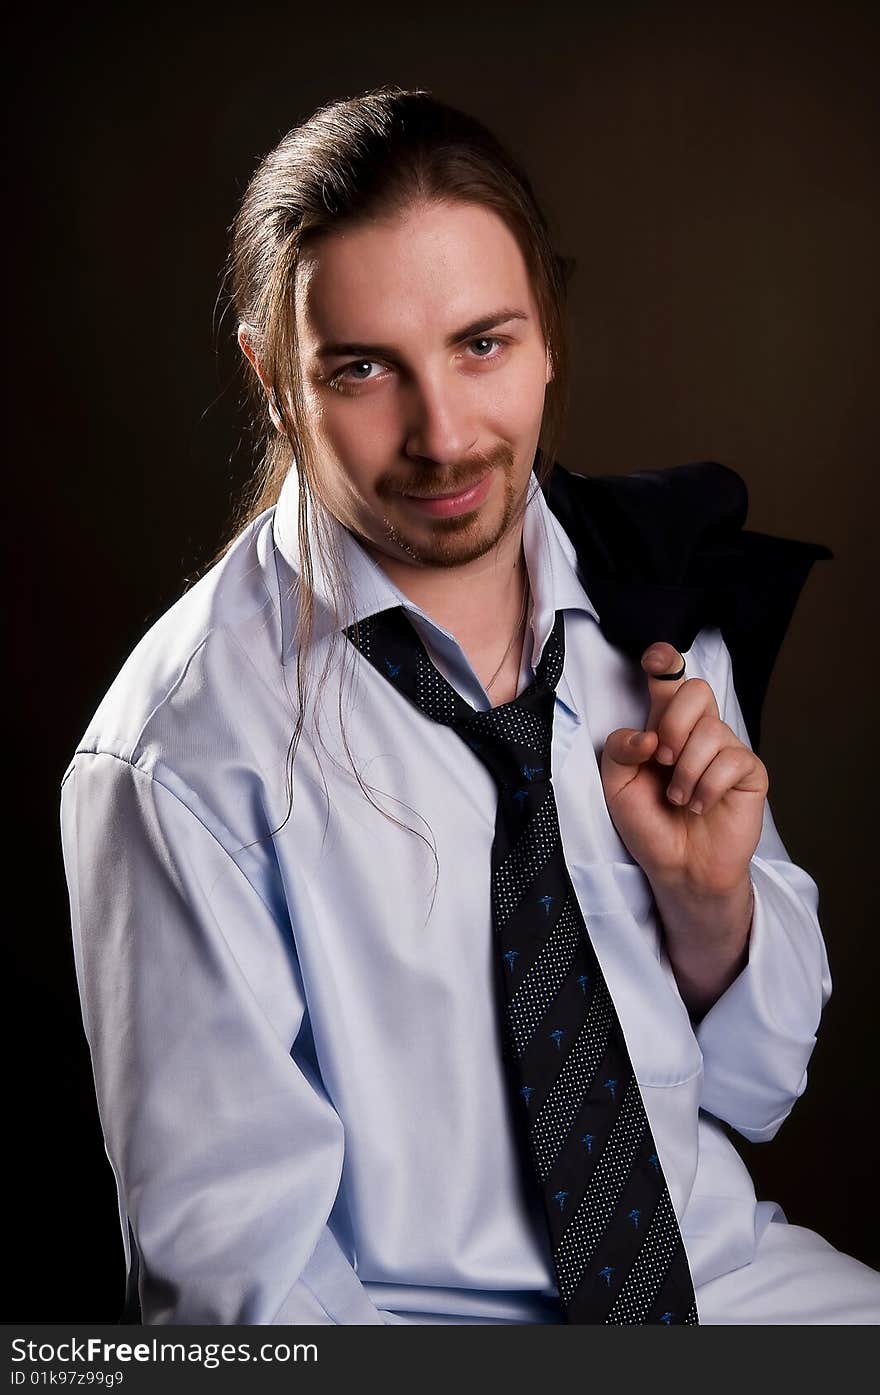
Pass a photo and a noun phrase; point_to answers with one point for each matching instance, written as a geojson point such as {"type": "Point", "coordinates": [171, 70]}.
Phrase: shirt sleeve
{"type": "Point", "coordinates": [227, 1153]}
{"type": "Point", "coordinates": [757, 1038]}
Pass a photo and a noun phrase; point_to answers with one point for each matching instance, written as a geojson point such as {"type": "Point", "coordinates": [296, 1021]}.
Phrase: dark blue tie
{"type": "Point", "coordinates": [614, 1238]}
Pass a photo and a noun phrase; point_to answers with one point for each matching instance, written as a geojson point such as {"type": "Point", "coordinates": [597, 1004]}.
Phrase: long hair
{"type": "Point", "coordinates": [352, 160]}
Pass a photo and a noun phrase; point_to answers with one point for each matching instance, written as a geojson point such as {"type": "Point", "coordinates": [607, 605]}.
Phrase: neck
{"type": "Point", "coordinates": [479, 602]}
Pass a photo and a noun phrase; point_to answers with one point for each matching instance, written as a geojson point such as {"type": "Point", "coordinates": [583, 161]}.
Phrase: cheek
{"type": "Point", "coordinates": [353, 449]}
{"type": "Point", "coordinates": [515, 401]}
{"type": "Point", "coordinates": [360, 428]}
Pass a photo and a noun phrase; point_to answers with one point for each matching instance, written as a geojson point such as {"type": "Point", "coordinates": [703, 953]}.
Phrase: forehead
{"type": "Point", "coordinates": [424, 270]}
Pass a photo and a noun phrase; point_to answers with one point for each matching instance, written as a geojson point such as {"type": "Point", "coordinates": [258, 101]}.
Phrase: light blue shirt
{"type": "Point", "coordinates": [295, 1052]}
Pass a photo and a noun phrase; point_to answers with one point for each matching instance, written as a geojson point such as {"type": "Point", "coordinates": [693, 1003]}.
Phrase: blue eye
{"type": "Point", "coordinates": [364, 363]}
{"type": "Point", "coordinates": [348, 374]}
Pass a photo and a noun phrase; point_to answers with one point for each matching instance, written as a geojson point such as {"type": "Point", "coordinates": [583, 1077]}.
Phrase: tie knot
{"type": "Point", "coordinates": [514, 740]}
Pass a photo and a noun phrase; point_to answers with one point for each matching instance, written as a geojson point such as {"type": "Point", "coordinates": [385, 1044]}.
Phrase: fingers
{"type": "Point", "coordinates": [710, 764]}
{"type": "Point", "coordinates": [684, 731]}
{"type": "Point", "coordinates": [661, 659]}
{"type": "Point", "coordinates": [629, 746]}
{"type": "Point", "coordinates": [624, 751]}
{"type": "Point", "coordinates": [694, 700]}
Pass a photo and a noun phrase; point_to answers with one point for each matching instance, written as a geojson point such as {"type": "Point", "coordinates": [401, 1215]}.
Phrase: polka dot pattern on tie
{"type": "Point", "coordinates": [518, 871]}
{"type": "Point", "coordinates": [542, 981]}
{"type": "Point", "coordinates": [509, 724]}
{"type": "Point", "coordinates": [552, 659]}
{"type": "Point", "coordinates": [362, 635]}
{"type": "Point", "coordinates": [434, 695]}
{"type": "Point", "coordinates": [589, 1222]}
{"type": "Point", "coordinates": [652, 1262]}
{"type": "Point", "coordinates": [560, 1109]}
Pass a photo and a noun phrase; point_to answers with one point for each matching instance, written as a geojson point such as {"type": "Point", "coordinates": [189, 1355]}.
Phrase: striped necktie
{"type": "Point", "coordinates": [617, 1251]}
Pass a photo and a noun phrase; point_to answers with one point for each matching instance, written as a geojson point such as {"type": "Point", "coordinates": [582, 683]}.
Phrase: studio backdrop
{"type": "Point", "coordinates": [711, 172]}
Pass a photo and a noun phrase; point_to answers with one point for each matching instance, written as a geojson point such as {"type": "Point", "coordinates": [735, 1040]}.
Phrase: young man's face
{"type": "Point", "coordinates": [424, 373]}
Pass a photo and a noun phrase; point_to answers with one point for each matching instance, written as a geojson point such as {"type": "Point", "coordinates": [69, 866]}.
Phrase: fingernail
{"type": "Point", "coordinates": [665, 755]}
{"type": "Point", "coordinates": [676, 796]}
{"type": "Point", "coordinates": [696, 806]}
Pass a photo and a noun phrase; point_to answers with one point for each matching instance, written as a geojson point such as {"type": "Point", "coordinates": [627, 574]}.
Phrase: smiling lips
{"type": "Point", "coordinates": [446, 505]}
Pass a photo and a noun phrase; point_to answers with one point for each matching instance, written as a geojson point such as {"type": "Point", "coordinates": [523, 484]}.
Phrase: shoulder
{"type": "Point", "coordinates": [655, 517]}
{"type": "Point", "coordinates": [182, 687]}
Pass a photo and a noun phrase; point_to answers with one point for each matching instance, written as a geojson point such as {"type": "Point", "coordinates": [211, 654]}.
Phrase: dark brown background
{"type": "Point", "coordinates": [709, 167]}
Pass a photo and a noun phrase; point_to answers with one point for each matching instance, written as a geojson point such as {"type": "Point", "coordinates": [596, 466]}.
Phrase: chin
{"type": "Point", "coordinates": [449, 546]}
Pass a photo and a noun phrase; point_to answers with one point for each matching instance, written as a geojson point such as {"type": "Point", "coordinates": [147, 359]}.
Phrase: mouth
{"type": "Point", "coordinates": [446, 505]}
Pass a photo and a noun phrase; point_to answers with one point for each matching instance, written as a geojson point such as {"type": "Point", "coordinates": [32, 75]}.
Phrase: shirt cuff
{"type": "Point", "coordinates": [757, 1038]}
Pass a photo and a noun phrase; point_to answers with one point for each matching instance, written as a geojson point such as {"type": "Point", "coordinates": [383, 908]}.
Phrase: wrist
{"type": "Point", "coordinates": [707, 936]}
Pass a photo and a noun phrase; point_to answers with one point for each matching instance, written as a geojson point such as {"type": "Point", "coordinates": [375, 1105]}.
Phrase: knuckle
{"type": "Point", "coordinates": [710, 787]}
{"type": "Point", "coordinates": [729, 768]}
{"type": "Point", "coordinates": [670, 734]}
{"type": "Point", "coordinates": [677, 724]}
{"type": "Point", "coordinates": [709, 724]}
{"type": "Point", "coordinates": [688, 769]}
{"type": "Point", "coordinates": [698, 685]}
{"type": "Point", "coordinates": [722, 736]}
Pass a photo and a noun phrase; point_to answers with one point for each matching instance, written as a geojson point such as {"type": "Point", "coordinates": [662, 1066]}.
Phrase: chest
{"type": "Point", "coordinates": [386, 866]}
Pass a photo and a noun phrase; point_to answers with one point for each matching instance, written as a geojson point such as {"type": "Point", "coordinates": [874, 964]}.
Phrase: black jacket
{"type": "Point", "coordinates": [662, 553]}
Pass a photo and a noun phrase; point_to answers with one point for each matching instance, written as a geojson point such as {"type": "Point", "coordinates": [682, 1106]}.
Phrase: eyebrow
{"type": "Point", "coordinates": [470, 331]}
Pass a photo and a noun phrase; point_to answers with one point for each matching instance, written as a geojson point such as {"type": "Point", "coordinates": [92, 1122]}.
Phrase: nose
{"type": "Point", "coordinates": [440, 427]}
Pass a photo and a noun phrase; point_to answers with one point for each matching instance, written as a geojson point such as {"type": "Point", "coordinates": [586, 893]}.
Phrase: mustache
{"type": "Point", "coordinates": [457, 480]}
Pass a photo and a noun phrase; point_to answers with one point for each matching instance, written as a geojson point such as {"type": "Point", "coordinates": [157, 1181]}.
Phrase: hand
{"type": "Point", "coordinates": [685, 748]}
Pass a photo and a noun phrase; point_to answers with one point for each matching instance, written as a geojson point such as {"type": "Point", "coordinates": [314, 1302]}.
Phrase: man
{"type": "Point", "coordinates": [302, 1054]}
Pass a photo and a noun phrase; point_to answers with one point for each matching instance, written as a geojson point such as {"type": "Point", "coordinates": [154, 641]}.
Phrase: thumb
{"type": "Point", "coordinates": [624, 750]}
{"type": "Point", "coordinates": [664, 667]}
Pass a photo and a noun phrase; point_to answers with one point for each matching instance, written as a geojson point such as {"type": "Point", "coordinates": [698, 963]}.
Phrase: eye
{"type": "Point", "coordinates": [347, 373]}
{"type": "Point", "coordinates": [491, 340]}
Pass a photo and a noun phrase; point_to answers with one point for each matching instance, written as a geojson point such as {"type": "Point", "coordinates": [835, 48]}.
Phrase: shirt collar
{"type": "Point", "coordinates": [550, 558]}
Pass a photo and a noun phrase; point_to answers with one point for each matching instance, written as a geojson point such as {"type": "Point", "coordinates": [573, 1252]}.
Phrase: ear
{"type": "Point", "coordinates": [245, 343]}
